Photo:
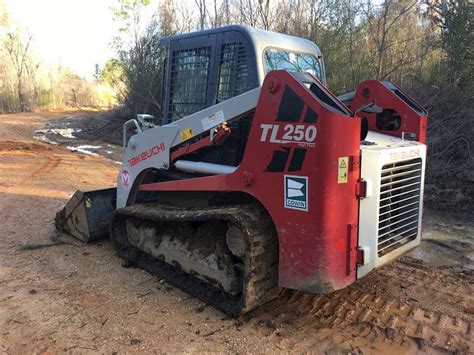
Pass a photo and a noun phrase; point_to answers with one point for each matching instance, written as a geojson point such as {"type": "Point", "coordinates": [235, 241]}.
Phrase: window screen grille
{"type": "Point", "coordinates": [233, 71]}
{"type": "Point", "coordinates": [189, 82]}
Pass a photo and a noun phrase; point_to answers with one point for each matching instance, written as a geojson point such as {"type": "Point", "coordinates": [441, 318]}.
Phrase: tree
{"type": "Point", "coordinates": [202, 7]}
{"type": "Point", "coordinates": [111, 72]}
{"type": "Point", "coordinates": [18, 50]}
{"type": "Point", "coordinates": [127, 14]}
{"type": "Point", "coordinates": [140, 68]}
{"type": "Point", "coordinates": [167, 18]}
{"type": "Point", "coordinates": [26, 83]}
{"type": "Point", "coordinates": [455, 18]}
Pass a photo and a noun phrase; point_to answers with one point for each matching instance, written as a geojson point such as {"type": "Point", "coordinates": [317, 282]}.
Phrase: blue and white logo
{"type": "Point", "coordinates": [296, 192]}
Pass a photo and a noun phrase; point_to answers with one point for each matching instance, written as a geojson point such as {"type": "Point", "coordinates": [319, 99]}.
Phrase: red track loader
{"type": "Point", "coordinates": [259, 177]}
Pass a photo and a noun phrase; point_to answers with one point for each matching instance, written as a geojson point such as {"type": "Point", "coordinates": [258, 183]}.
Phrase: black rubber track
{"type": "Point", "coordinates": [261, 260]}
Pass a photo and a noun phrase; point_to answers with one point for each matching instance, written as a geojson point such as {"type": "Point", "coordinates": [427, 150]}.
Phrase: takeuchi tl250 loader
{"type": "Point", "coordinates": [258, 177]}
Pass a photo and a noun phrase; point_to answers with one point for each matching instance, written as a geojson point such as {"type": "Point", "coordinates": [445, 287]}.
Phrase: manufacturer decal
{"type": "Point", "coordinates": [408, 154]}
{"type": "Point", "coordinates": [296, 192]}
{"type": "Point", "coordinates": [157, 149]}
{"type": "Point", "coordinates": [213, 120]}
{"type": "Point", "coordinates": [186, 133]}
{"type": "Point", "coordinates": [125, 177]}
{"type": "Point", "coordinates": [342, 170]}
{"type": "Point", "coordinates": [289, 133]}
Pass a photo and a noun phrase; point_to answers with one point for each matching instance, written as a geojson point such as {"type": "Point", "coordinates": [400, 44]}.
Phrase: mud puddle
{"type": "Point", "coordinates": [447, 240]}
{"type": "Point", "coordinates": [82, 134]}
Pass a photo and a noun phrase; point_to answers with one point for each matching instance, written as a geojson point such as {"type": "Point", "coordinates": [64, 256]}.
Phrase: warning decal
{"type": "Point", "coordinates": [342, 170]}
{"type": "Point", "coordinates": [186, 133]}
{"type": "Point", "coordinates": [213, 120]}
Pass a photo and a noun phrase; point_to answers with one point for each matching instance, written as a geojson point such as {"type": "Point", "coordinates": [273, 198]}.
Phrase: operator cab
{"type": "Point", "coordinates": [207, 67]}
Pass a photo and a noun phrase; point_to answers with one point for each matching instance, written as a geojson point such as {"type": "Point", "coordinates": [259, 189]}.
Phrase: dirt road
{"type": "Point", "coordinates": [57, 295]}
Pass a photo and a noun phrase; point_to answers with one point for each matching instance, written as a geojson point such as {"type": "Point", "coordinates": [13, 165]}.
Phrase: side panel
{"type": "Point", "coordinates": [317, 231]}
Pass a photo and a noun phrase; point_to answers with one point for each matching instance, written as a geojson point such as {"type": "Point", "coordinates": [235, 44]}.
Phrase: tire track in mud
{"type": "Point", "coordinates": [440, 318]}
{"type": "Point", "coordinates": [20, 146]}
{"type": "Point", "coordinates": [52, 161]}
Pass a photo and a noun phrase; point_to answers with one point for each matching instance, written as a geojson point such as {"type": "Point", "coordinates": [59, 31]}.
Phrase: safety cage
{"type": "Point", "coordinates": [197, 81]}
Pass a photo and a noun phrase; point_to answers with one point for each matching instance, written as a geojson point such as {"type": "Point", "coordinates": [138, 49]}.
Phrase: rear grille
{"type": "Point", "coordinates": [399, 208]}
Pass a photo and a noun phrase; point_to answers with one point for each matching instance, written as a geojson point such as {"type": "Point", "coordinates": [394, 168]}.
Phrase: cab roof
{"type": "Point", "coordinates": [260, 39]}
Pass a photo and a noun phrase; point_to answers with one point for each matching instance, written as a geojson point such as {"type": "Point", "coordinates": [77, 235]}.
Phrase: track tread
{"type": "Point", "coordinates": [261, 260]}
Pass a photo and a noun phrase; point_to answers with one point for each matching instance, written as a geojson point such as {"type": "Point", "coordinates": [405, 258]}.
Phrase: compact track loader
{"type": "Point", "coordinates": [258, 177]}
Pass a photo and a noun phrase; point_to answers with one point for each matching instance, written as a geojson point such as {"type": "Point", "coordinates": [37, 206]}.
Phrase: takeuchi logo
{"type": "Point", "coordinates": [157, 149]}
{"type": "Point", "coordinates": [404, 155]}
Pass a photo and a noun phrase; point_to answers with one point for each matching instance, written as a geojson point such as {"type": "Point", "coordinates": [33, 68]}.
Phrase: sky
{"type": "Point", "coordinates": [73, 33]}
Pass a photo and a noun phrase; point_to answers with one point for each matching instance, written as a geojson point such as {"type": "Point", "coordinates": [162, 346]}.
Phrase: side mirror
{"type": "Point", "coordinates": [372, 108]}
{"type": "Point", "coordinates": [369, 108]}
{"type": "Point", "coordinates": [146, 121]}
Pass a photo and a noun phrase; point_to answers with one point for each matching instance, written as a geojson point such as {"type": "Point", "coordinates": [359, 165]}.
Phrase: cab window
{"type": "Point", "coordinates": [278, 59]}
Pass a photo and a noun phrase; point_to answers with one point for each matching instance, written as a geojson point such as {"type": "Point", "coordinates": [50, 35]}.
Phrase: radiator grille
{"type": "Point", "coordinates": [399, 209]}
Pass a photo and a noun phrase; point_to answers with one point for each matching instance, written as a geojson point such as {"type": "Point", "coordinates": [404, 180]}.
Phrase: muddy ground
{"type": "Point", "coordinates": [58, 295]}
